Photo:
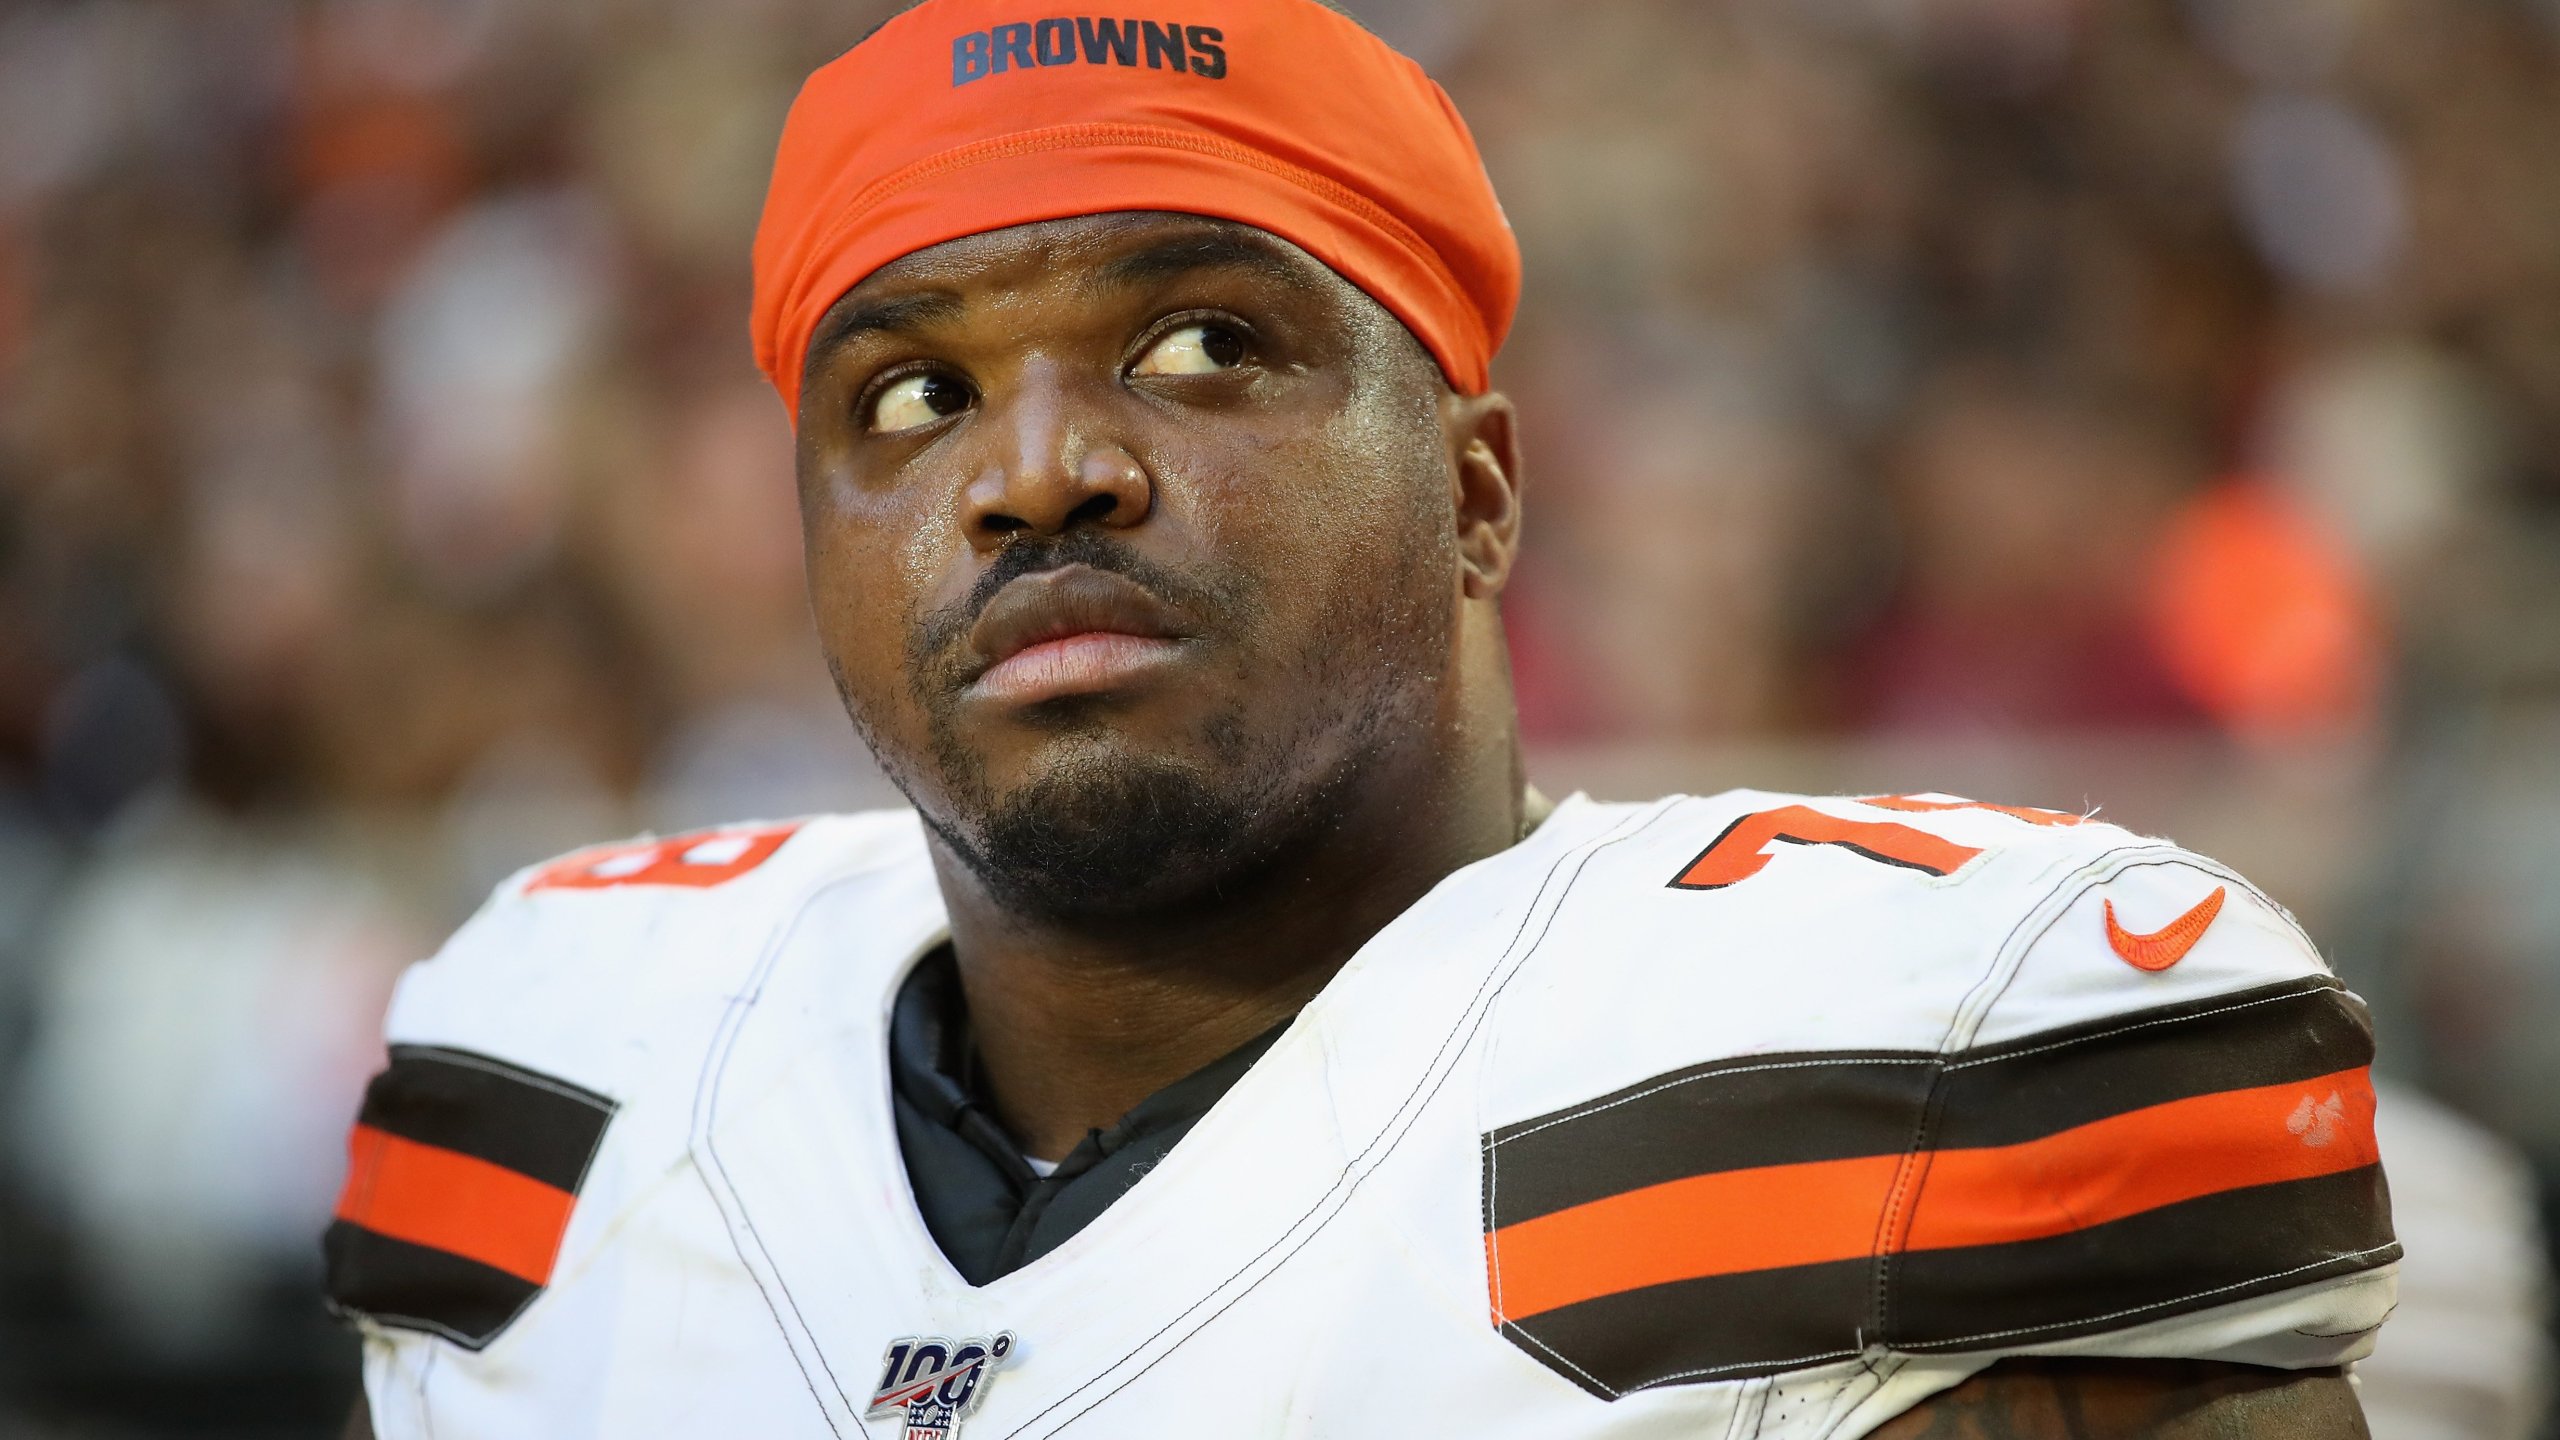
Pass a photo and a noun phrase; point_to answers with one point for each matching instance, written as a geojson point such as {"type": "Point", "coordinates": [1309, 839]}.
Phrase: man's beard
{"type": "Point", "coordinates": [1107, 832]}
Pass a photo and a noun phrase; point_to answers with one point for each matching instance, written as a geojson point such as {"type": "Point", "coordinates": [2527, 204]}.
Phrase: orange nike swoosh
{"type": "Point", "coordinates": [2170, 943]}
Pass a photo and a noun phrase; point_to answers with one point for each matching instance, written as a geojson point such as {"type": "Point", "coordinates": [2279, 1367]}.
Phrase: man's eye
{"type": "Point", "coordinates": [917, 400]}
{"type": "Point", "coordinates": [1193, 350]}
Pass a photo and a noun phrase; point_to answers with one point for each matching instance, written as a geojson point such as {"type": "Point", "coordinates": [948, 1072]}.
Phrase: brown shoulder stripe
{"type": "Point", "coordinates": [1701, 1191]}
{"type": "Point", "coordinates": [2268, 1035]}
{"type": "Point", "coordinates": [1706, 1119]}
{"type": "Point", "coordinates": [462, 1173]}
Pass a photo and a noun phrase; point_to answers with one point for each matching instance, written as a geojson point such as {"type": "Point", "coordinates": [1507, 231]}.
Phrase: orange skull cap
{"type": "Point", "coordinates": [965, 116]}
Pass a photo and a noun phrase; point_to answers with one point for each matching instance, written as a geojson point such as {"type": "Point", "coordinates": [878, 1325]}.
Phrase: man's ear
{"type": "Point", "coordinates": [1484, 447]}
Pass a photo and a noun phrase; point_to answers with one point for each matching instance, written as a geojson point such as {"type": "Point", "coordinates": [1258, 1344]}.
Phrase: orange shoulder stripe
{"type": "Point", "coordinates": [2144, 1159]}
{"type": "Point", "coordinates": [1785, 1215]}
{"type": "Point", "coordinates": [449, 1201]}
{"type": "Point", "coordinates": [1720, 1224]}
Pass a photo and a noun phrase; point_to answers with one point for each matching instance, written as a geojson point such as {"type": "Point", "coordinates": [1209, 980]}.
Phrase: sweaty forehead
{"type": "Point", "coordinates": [1096, 258]}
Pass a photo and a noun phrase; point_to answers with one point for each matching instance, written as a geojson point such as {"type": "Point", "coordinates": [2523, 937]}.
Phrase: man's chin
{"type": "Point", "coordinates": [1107, 837]}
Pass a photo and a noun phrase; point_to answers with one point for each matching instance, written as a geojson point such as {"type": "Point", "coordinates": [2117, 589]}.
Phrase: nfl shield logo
{"type": "Point", "coordinates": [935, 1383]}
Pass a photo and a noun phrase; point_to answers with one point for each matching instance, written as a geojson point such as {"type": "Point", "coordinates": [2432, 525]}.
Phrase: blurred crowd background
{"type": "Point", "coordinates": [2148, 405]}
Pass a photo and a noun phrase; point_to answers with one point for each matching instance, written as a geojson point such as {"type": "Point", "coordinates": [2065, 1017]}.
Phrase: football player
{"type": "Point", "coordinates": [1228, 1041]}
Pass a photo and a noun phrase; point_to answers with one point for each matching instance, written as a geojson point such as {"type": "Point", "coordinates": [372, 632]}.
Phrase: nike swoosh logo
{"type": "Point", "coordinates": [2170, 943]}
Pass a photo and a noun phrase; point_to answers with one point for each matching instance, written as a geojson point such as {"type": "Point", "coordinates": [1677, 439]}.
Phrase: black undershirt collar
{"type": "Point", "coordinates": [979, 1197]}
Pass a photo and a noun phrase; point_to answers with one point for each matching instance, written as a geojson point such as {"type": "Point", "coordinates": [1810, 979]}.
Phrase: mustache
{"type": "Point", "coordinates": [937, 646]}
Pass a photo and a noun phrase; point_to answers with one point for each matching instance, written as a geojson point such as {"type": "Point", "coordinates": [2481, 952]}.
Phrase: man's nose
{"type": "Point", "coordinates": [1052, 471]}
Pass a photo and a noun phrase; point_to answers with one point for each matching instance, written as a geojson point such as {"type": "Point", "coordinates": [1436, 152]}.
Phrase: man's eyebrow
{"type": "Point", "coordinates": [904, 314]}
{"type": "Point", "coordinates": [1214, 250]}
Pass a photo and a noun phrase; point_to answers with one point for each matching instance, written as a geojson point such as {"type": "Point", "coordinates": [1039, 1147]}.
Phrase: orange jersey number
{"type": "Point", "coordinates": [700, 860]}
{"type": "Point", "coordinates": [1743, 850]}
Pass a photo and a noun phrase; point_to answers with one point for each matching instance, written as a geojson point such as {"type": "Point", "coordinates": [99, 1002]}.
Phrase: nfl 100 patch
{"type": "Point", "coordinates": [932, 1383]}
{"type": "Point", "coordinates": [462, 1173]}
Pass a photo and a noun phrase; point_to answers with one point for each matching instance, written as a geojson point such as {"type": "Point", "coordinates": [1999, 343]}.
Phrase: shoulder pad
{"type": "Point", "coordinates": [541, 1062]}
{"type": "Point", "coordinates": [1751, 922]}
{"type": "Point", "coordinates": [573, 964]}
{"type": "Point", "coordinates": [1916, 1075]}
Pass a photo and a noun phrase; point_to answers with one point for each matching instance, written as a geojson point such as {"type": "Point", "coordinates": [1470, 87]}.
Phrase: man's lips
{"type": "Point", "coordinates": [1069, 631]}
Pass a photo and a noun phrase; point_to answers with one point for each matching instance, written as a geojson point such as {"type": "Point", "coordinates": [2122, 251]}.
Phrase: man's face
{"type": "Point", "coordinates": [1131, 546]}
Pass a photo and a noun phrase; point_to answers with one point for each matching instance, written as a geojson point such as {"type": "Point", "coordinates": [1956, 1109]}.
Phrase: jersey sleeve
{"type": "Point", "coordinates": [480, 1155]}
{"type": "Point", "coordinates": [2157, 1141]}
{"type": "Point", "coordinates": [465, 1162]}
{"type": "Point", "coordinates": [1876, 1092]}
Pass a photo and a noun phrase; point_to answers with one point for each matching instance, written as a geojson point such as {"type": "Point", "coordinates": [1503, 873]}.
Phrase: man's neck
{"type": "Point", "coordinates": [1077, 1024]}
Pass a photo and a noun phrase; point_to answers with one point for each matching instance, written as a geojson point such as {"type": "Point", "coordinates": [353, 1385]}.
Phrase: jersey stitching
{"type": "Point", "coordinates": [793, 1301]}
{"type": "Point", "coordinates": [1337, 1199]}
{"type": "Point", "coordinates": [1612, 1391]}
{"type": "Point", "coordinates": [706, 1104]}
{"type": "Point", "coordinates": [1907, 1183]}
{"type": "Point", "coordinates": [606, 1105]}
{"type": "Point", "coordinates": [1490, 1201]}
{"type": "Point", "coordinates": [1738, 1365]}
{"type": "Point", "coordinates": [2097, 871]}
{"type": "Point", "coordinates": [1493, 1157]}
{"type": "Point", "coordinates": [1479, 1006]}
{"type": "Point", "coordinates": [1706, 1075]}
{"type": "Point", "coordinates": [437, 1327]}
{"type": "Point", "coordinates": [1913, 1179]}
{"type": "Point", "coordinates": [1965, 1340]}
{"type": "Point", "coordinates": [1912, 1176]}
{"type": "Point", "coordinates": [1493, 1251]}
{"type": "Point", "coordinates": [2094, 878]}
{"type": "Point", "coordinates": [2332, 987]}
{"type": "Point", "coordinates": [2219, 871]}
{"type": "Point", "coordinates": [741, 1006]}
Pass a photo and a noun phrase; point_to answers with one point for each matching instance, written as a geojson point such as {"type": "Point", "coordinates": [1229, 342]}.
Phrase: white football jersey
{"type": "Point", "coordinates": [1748, 1115]}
